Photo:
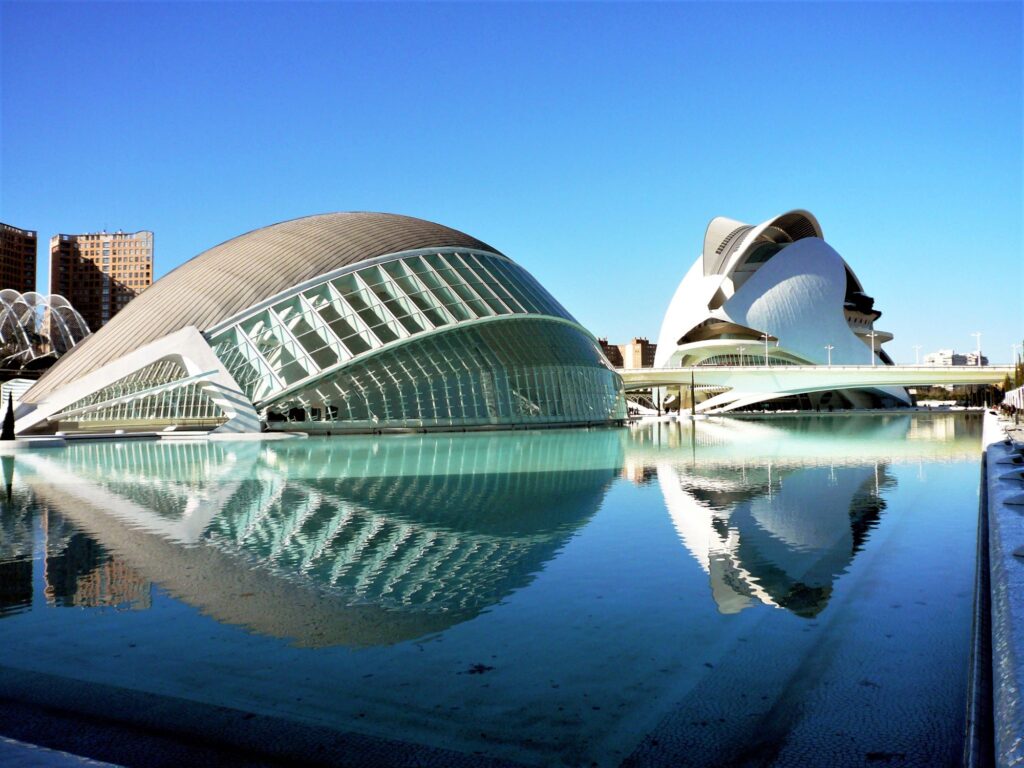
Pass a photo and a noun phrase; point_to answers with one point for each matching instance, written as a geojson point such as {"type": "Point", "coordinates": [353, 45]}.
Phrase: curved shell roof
{"type": "Point", "coordinates": [228, 278]}
{"type": "Point", "coordinates": [725, 238]}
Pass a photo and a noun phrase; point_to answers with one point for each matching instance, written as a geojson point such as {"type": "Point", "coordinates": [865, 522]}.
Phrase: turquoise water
{"type": "Point", "coordinates": [772, 592]}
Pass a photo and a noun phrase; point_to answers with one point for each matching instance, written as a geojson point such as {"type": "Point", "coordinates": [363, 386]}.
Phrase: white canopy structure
{"type": "Point", "coordinates": [37, 327]}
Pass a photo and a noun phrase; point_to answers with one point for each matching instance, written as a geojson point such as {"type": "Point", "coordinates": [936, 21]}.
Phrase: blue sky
{"type": "Point", "coordinates": [590, 142]}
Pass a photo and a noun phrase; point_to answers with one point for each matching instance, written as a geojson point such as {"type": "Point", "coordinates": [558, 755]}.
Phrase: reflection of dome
{"type": "Point", "coordinates": [341, 321]}
{"type": "Point", "coordinates": [364, 542]}
{"type": "Point", "coordinates": [785, 539]}
{"type": "Point", "coordinates": [778, 278]}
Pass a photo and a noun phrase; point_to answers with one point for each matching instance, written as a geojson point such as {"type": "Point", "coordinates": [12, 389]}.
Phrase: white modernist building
{"type": "Point", "coordinates": [337, 322]}
{"type": "Point", "coordinates": [774, 294]}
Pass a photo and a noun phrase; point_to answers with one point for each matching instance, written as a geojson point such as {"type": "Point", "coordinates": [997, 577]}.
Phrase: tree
{"type": "Point", "coordinates": [8, 430]}
{"type": "Point", "coordinates": [1018, 368]}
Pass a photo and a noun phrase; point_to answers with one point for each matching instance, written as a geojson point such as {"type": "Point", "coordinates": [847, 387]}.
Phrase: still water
{"type": "Point", "coordinates": [773, 592]}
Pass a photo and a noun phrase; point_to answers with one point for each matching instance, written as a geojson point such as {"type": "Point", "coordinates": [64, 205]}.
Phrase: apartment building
{"type": "Point", "coordinates": [17, 258]}
{"type": "Point", "coordinates": [99, 273]}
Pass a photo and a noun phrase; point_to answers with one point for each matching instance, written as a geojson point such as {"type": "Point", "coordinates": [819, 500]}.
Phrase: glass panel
{"type": "Point", "coordinates": [489, 276]}
{"type": "Point", "coordinates": [367, 308]}
{"type": "Point", "coordinates": [458, 285]}
{"type": "Point", "coordinates": [444, 294]}
{"type": "Point", "coordinates": [513, 372]}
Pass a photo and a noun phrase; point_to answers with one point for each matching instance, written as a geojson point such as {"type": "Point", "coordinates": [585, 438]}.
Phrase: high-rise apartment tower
{"type": "Point", "coordinates": [17, 258]}
{"type": "Point", "coordinates": [101, 272]}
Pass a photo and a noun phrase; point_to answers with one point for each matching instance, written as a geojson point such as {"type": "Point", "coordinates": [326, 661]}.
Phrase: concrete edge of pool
{"type": "Point", "coordinates": [1003, 490]}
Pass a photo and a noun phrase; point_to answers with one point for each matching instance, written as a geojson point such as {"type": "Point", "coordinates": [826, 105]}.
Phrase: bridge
{"type": "Point", "coordinates": [755, 384]}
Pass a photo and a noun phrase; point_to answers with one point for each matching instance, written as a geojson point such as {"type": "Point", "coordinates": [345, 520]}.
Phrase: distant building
{"type": "Point", "coordinates": [101, 272]}
{"type": "Point", "coordinates": [17, 258]}
{"type": "Point", "coordinates": [637, 353]}
{"type": "Point", "coordinates": [948, 357]}
{"type": "Point", "coordinates": [612, 352]}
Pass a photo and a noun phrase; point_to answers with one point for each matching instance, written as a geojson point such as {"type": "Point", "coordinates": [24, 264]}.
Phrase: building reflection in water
{"type": "Point", "coordinates": [359, 541]}
{"type": "Point", "coordinates": [776, 511]}
{"type": "Point", "coordinates": [75, 570]}
{"type": "Point", "coordinates": [781, 536]}
{"type": "Point", "coordinates": [374, 540]}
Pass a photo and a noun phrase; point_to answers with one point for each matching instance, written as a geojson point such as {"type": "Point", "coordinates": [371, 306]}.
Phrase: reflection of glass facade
{"type": "Point", "coordinates": [318, 355]}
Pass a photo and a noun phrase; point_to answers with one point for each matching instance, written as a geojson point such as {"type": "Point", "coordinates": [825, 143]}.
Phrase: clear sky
{"type": "Point", "coordinates": [592, 143]}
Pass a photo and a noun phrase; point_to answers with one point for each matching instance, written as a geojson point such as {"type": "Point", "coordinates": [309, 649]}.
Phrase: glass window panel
{"type": "Point", "coordinates": [447, 298]}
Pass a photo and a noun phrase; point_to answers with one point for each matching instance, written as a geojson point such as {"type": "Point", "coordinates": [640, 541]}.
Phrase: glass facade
{"type": "Point", "coordinates": [318, 356]}
{"type": "Point", "coordinates": [751, 357]}
{"type": "Point", "coordinates": [327, 325]}
{"type": "Point", "coordinates": [145, 398]}
{"type": "Point", "coordinates": [522, 371]}
{"type": "Point", "coordinates": [443, 338]}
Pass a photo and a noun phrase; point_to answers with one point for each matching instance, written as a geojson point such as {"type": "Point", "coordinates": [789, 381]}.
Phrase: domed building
{"type": "Point", "coordinates": [774, 294]}
{"type": "Point", "coordinates": [336, 322]}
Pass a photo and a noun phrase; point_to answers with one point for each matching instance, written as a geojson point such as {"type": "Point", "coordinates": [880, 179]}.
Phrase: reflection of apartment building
{"type": "Point", "coordinates": [637, 353]}
{"type": "Point", "coordinates": [101, 272]}
{"type": "Point", "coordinates": [948, 357]}
{"type": "Point", "coordinates": [78, 572]}
{"type": "Point", "coordinates": [17, 258]}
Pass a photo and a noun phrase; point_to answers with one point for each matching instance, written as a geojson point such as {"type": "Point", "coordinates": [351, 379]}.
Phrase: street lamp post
{"type": "Point", "coordinates": [765, 336]}
{"type": "Point", "coordinates": [829, 348]}
{"type": "Point", "coordinates": [917, 354]}
{"type": "Point", "coordinates": [872, 336]}
{"type": "Point", "coordinates": [977, 336]}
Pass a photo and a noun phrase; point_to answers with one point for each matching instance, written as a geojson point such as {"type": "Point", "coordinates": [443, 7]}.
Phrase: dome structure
{"type": "Point", "coordinates": [342, 321]}
{"type": "Point", "coordinates": [774, 294]}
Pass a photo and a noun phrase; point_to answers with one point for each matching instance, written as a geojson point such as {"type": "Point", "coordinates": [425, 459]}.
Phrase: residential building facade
{"type": "Point", "coordinates": [99, 273]}
{"type": "Point", "coordinates": [17, 258]}
{"type": "Point", "coordinates": [949, 357]}
{"type": "Point", "coordinates": [639, 352]}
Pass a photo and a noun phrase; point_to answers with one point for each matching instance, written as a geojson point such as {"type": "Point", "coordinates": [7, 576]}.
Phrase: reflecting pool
{"type": "Point", "coordinates": [789, 591]}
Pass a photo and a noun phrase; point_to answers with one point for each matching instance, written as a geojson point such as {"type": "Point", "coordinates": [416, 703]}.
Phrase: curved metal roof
{"type": "Point", "coordinates": [236, 274]}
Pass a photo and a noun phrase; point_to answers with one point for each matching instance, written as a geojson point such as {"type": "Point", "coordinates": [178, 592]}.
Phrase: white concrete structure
{"type": "Point", "coordinates": [336, 322]}
{"type": "Point", "coordinates": [746, 385]}
{"type": "Point", "coordinates": [775, 294]}
{"type": "Point", "coordinates": [37, 327]}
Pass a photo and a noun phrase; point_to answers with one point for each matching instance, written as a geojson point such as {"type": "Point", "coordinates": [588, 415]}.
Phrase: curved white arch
{"type": "Point", "coordinates": [34, 325]}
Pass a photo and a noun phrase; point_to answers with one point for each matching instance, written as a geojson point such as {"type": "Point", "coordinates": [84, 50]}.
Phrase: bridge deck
{"type": "Point", "coordinates": [805, 378]}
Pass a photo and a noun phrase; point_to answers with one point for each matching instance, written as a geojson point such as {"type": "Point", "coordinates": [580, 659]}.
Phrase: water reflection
{"type": "Point", "coordinates": [775, 511]}
{"type": "Point", "coordinates": [73, 570]}
{"type": "Point", "coordinates": [782, 537]}
{"type": "Point", "coordinates": [374, 540]}
{"type": "Point", "coordinates": [357, 541]}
